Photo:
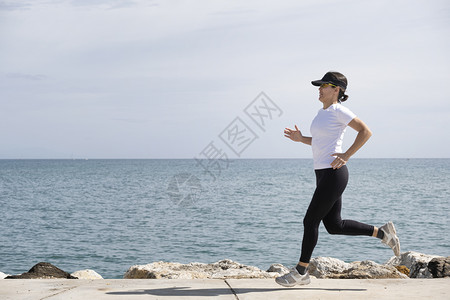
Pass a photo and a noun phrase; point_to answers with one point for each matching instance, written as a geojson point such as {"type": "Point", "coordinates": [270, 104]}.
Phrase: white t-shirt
{"type": "Point", "coordinates": [327, 131]}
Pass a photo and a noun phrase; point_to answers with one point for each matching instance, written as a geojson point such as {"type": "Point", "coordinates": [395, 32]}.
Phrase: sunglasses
{"type": "Point", "coordinates": [324, 85]}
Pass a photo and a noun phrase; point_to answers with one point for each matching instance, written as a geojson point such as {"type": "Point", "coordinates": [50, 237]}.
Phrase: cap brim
{"type": "Point", "coordinates": [318, 82]}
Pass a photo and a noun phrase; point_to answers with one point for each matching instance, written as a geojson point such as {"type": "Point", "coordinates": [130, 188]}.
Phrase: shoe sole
{"type": "Point", "coordinates": [304, 282]}
{"type": "Point", "coordinates": [285, 285]}
{"type": "Point", "coordinates": [391, 231]}
{"type": "Point", "coordinates": [391, 228]}
{"type": "Point", "coordinates": [300, 283]}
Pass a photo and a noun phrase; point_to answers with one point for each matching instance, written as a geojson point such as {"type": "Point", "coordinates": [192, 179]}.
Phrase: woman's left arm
{"type": "Point", "coordinates": [364, 134]}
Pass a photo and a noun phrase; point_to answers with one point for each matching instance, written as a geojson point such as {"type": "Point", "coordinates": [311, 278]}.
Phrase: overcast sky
{"type": "Point", "coordinates": [167, 79]}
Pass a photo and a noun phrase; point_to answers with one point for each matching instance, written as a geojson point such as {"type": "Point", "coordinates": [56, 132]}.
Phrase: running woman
{"type": "Point", "coordinates": [327, 130]}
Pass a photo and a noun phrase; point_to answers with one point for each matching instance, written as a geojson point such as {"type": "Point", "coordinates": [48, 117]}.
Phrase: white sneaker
{"type": "Point", "coordinates": [293, 278]}
{"type": "Point", "coordinates": [390, 237]}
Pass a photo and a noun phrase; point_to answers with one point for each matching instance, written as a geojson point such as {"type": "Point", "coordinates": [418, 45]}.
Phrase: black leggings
{"type": "Point", "coordinates": [326, 206]}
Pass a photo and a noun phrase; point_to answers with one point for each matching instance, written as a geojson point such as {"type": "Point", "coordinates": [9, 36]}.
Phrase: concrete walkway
{"type": "Point", "coordinates": [232, 289]}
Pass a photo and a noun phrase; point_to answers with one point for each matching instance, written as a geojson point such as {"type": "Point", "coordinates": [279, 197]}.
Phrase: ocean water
{"type": "Point", "coordinates": [108, 215]}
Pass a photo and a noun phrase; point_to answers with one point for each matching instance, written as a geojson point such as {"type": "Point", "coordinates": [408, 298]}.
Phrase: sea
{"type": "Point", "coordinates": [108, 215]}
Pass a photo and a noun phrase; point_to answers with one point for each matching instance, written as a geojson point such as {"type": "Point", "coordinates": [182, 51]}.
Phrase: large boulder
{"type": "Point", "coordinates": [219, 270]}
{"type": "Point", "coordinates": [439, 267]}
{"type": "Point", "coordinates": [86, 274]}
{"type": "Point", "coordinates": [324, 267]}
{"type": "Point", "coordinates": [327, 267]}
{"type": "Point", "coordinates": [416, 262]}
{"type": "Point", "coordinates": [43, 270]}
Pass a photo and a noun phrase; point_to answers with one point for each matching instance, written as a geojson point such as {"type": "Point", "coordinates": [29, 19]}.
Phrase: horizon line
{"type": "Point", "coordinates": [237, 158]}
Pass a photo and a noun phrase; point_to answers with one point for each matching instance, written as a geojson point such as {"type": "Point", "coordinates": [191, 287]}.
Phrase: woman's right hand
{"type": "Point", "coordinates": [294, 135]}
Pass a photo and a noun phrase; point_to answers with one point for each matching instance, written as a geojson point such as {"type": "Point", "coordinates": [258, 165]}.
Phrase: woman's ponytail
{"type": "Point", "coordinates": [342, 96]}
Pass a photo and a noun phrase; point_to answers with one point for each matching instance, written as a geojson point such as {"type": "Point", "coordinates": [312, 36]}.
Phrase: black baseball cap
{"type": "Point", "coordinates": [335, 78]}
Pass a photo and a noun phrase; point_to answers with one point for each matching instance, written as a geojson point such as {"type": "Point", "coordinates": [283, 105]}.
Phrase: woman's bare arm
{"type": "Point", "coordinates": [297, 136]}
{"type": "Point", "coordinates": [364, 134]}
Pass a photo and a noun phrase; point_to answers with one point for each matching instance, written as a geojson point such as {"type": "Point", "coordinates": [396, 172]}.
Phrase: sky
{"type": "Point", "coordinates": [207, 79]}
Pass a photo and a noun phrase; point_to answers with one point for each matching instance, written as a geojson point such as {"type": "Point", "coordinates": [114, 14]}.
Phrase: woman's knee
{"type": "Point", "coordinates": [310, 222]}
{"type": "Point", "coordinates": [333, 228]}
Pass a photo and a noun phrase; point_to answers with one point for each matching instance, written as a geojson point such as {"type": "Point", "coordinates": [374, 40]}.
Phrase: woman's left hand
{"type": "Point", "coordinates": [341, 160]}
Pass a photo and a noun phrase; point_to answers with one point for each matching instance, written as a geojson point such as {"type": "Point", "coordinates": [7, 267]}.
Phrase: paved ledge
{"type": "Point", "coordinates": [242, 289]}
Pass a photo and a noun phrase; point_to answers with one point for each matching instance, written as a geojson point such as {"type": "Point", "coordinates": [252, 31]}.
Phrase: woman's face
{"type": "Point", "coordinates": [328, 93]}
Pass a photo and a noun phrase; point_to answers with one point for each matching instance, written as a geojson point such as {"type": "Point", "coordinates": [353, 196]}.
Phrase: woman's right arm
{"type": "Point", "coordinates": [297, 136]}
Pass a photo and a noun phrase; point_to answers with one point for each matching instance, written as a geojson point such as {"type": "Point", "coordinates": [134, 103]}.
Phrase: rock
{"type": "Point", "coordinates": [219, 270]}
{"type": "Point", "coordinates": [439, 267]}
{"type": "Point", "coordinates": [322, 267]}
{"type": "Point", "coordinates": [86, 274]}
{"type": "Point", "coordinates": [327, 267]}
{"type": "Point", "coordinates": [43, 270]}
{"type": "Point", "coordinates": [371, 270]}
{"type": "Point", "coordinates": [3, 275]}
{"type": "Point", "coordinates": [412, 264]}
{"type": "Point", "coordinates": [278, 268]}
{"type": "Point", "coordinates": [403, 270]}
{"type": "Point", "coordinates": [416, 262]}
